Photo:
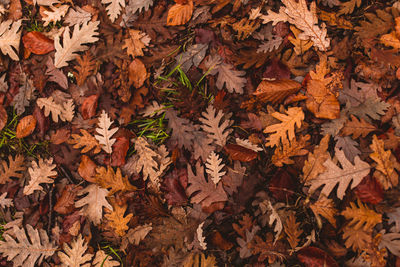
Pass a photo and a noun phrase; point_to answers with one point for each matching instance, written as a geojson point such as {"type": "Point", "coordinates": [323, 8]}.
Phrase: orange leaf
{"type": "Point", "coordinates": [26, 126]}
{"type": "Point", "coordinates": [220, 242]}
{"type": "Point", "coordinates": [37, 43]}
{"type": "Point", "coordinates": [87, 169]}
{"type": "Point", "coordinates": [65, 203]}
{"type": "Point", "coordinates": [240, 153]}
{"type": "Point", "coordinates": [276, 91]}
{"type": "Point", "coordinates": [60, 136]}
{"type": "Point", "coordinates": [89, 106]}
{"type": "Point", "coordinates": [180, 14]}
{"type": "Point", "coordinates": [137, 73]}
{"type": "Point", "coordinates": [3, 117]}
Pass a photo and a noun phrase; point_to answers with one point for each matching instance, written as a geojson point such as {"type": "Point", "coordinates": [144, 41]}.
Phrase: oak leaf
{"type": "Point", "coordinates": [138, 233]}
{"type": "Point", "coordinates": [10, 37]}
{"type": "Point", "coordinates": [27, 249]}
{"type": "Point", "coordinates": [314, 164]}
{"type": "Point", "coordinates": [107, 178]}
{"type": "Point", "coordinates": [356, 239]}
{"type": "Point", "coordinates": [117, 220]}
{"type": "Point", "coordinates": [284, 131]}
{"type": "Point", "coordinates": [86, 67]}
{"type": "Point", "coordinates": [75, 43]}
{"type": "Point", "coordinates": [207, 192]}
{"type": "Point", "coordinates": [276, 91]}
{"type": "Point", "coordinates": [326, 208]}
{"type": "Point", "coordinates": [300, 46]}
{"type": "Point", "coordinates": [283, 153]}
{"type": "Point", "coordinates": [77, 16]}
{"type": "Point", "coordinates": [194, 259]}
{"type": "Point", "coordinates": [104, 133]}
{"type": "Point", "coordinates": [216, 125]}
{"type": "Point", "coordinates": [65, 203]}
{"type": "Point", "coordinates": [361, 216]}
{"type": "Point", "coordinates": [182, 129]}
{"type": "Point", "coordinates": [65, 111]}
{"type": "Point", "coordinates": [101, 259]}
{"type": "Point", "coordinates": [348, 7]}
{"type": "Point", "coordinates": [26, 126]}
{"type": "Point", "coordinates": [136, 42]}
{"type": "Point", "coordinates": [214, 166]}
{"type": "Point", "coordinates": [40, 173]}
{"type": "Point", "coordinates": [92, 204]}
{"type": "Point", "coordinates": [179, 14]}
{"type": "Point", "coordinates": [14, 168]}
{"type": "Point", "coordinates": [74, 255]}
{"type": "Point", "coordinates": [357, 127]}
{"type": "Point", "coordinates": [391, 242]}
{"type": "Point", "coordinates": [343, 176]}
{"type": "Point", "coordinates": [114, 8]}
{"type": "Point", "coordinates": [386, 164]}
{"type": "Point", "coordinates": [5, 202]}
{"type": "Point", "coordinates": [86, 140]}
{"type": "Point", "coordinates": [348, 145]}
{"type": "Point", "coordinates": [292, 231]}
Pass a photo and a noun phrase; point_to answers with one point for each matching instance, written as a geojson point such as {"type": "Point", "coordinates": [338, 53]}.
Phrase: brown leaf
{"type": "Point", "coordinates": [37, 43]}
{"type": "Point", "coordinates": [276, 91]}
{"type": "Point", "coordinates": [313, 166]}
{"type": "Point", "coordinates": [87, 169]}
{"type": "Point", "coordinates": [60, 136]}
{"type": "Point", "coordinates": [89, 106]}
{"type": "Point", "coordinates": [26, 126]}
{"type": "Point", "coordinates": [107, 178]}
{"type": "Point", "coordinates": [65, 203]}
{"type": "Point", "coordinates": [86, 67]}
{"type": "Point", "coordinates": [357, 127]}
{"type": "Point", "coordinates": [3, 117]}
{"type": "Point", "coordinates": [137, 73]}
{"type": "Point", "coordinates": [180, 14]}
{"type": "Point", "coordinates": [292, 230]}
{"type": "Point", "coordinates": [120, 148]}
{"type": "Point", "coordinates": [240, 153]}
{"type": "Point", "coordinates": [117, 220]}
{"type": "Point", "coordinates": [369, 190]}
{"type": "Point", "coordinates": [362, 216]}
{"type": "Point", "coordinates": [326, 208]}
{"type": "Point", "coordinates": [283, 153]}
{"type": "Point", "coordinates": [313, 257]}
{"type": "Point", "coordinates": [15, 10]}
{"type": "Point", "coordinates": [219, 241]}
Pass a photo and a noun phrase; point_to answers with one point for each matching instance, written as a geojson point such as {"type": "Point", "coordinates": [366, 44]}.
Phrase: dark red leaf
{"type": "Point", "coordinates": [120, 148]}
{"type": "Point", "coordinates": [37, 43]}
{"type": "Point", "coordinates": [175, 184]}
{"type": "Point", "coordinates": [3, 117]}
{"type": "Point", "coordinates": [89, 106]}
{"type": "Point", "coordinates": [240, 153]}
{"type": "Point", "coordinates": [369, 190]}
{"type": "Point", "coordinates": [282, 185]}
{"type": "Point", "coordinates": [276, 70]}
{"type": "Point", "coordinates": [42, 121]}
{"type": "Point", "coordinates": [315, 257]}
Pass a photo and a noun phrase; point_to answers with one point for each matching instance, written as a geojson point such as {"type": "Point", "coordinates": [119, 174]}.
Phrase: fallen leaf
{"type": "Point", "coordinates": [240, 153]}
{"type": "Point", "coordinates": [89, 106]}
{"type": "Point", "coordinates": [26, 126]}
{"type": "Point", "coordinates": [313, 257]}
{"type": "Point", "coordinates": [3, 117]}
{"type": "Point", "coordinates": [137, 73]}
{"type": "Point", "coordinates": [37, 43]}
{"type": "Point", "coordinates": [87, 169]}
{"type": "Point", "coordinates": [120, 148]}
{"type": "Point", "coordinates": [179, 14]}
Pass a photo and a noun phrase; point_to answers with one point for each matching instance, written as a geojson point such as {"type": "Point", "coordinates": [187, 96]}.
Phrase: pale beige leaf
{"type": "Point", "coordinates": [5, 202]}
{"type": "Point", "coordinates": [344, 175]}
{"type": "Point", "coordinates": [200, 238]}
{"type": "Point", "coordinates": [40, 173]}
{"type": "Point", "coordinates": [75, 43]}
{"type": "Point", "coordinates": [54, 14]}
{"type": "Point", "coordinates": [92, 204]}
{"type": "Point", "coordinates": [104, 133]}
{"type": "Point", "coordinates": [103, 260]}
{"type": "Point", "coordinates": [113, 8]}
{"type": "Point", "coordinates": [215, 125]}
{"type": "Point", "coordinates": [10, 37]}
{"type": "Point", "coordinates": [27, 249]}
{"type": "Point", "coordinates": [74, 255]}
{"type": "Point", "coordinates": [214, 167]}
{"type": "Point", "coordinates": [65, 111]}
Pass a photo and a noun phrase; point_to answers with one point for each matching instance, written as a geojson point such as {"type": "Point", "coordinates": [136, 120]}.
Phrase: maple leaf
{"type": "Point", "coordinates": [356, 239]}
{"type": "Point", "coordinates": [215, 126]}
{"type": "Point", "coordinates": [107, 178]}
{"type": "Point", "coordinates": [114, 8]}
{"type": "Point", "coordinates": [40, 173]}
{"type": "Point", "coordinates": [10, 37]}
{"type": "Point", "coordinates": [92, 204]}
{"type": "Point", "coordinates": [361, 216]}
{"type": "Point", "coordinates": [387, 176]}
{"type": "Point", "coordinates": [117, 220]}
{"type": "Point", "coordinates": [71, 45]}
{"type": "Point", "coordinates": [86, 140]}
{"type": "Point", "coordinates": [104, 133]}
{"type": "Point", "coordinates": [276, 91]}
{"type": "Point", "coordinates": [284, 131]}
{"type": "Point", "coordinates": [214, 166]}
{"type": "Point", "coordinates": [207, 192]}
{"type": "Point", "coordinates": [74, 255]}
{"type": "Point", "coordinates": [357, 127]}
{"type": "Point", "coordinates": [314, 164]}
{"type": "Point", "coordinates": [13, 169]}
{"type": "Point", "coordinates": [65, 112]}
{"type": "Point", "coordinates": [101, 259]}
{"type": "Point", "coordinates": [283, 153]}
{"type": "Point", "coordinates": [292, 231]}
{"type": "Point", "coordinates": [179, 14]}
{"type": "Point", "coordinates": [343, 176]}
{"type": "Point", "coordinates": [27, 249]}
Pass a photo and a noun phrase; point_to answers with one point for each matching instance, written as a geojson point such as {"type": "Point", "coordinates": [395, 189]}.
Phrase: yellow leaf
{"type": "Point", "coordinates": [357, 239]}
{"type": "Point", "coordinates": [133, 43]}
{"type": "Point", "coordinates": [199, 260]}
{"type": "Point", "coordinates": [180, 14]}
{"type": "Point", "coordinates": [288, 123]}
{"type": "Point", "coordinates": [362, 216]}
{"type": "Point", "coordinates": [300, 46]}
{"type": "Point", "coordinates": [386, 164]}
{"type": "Point", "coordinates": [86, 140]}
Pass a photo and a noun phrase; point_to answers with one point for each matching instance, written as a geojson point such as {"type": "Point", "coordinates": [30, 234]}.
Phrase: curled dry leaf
{"type": "Point", "coordinates": [26, 126]}
{"type": "Point", "coordinates": [137, 73]}
{"type": "Point", "coordinates": [37, 43]}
